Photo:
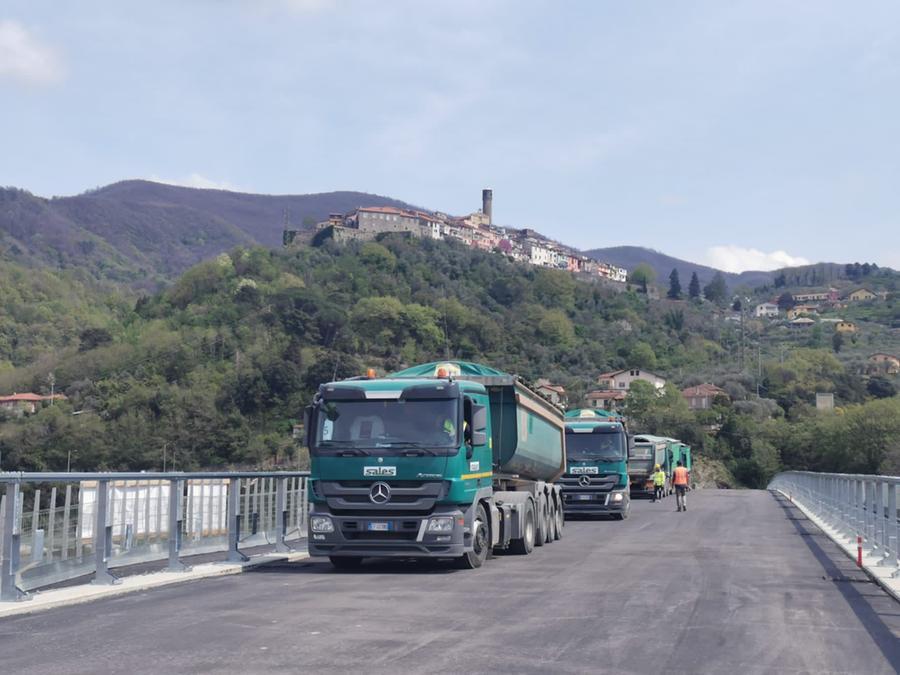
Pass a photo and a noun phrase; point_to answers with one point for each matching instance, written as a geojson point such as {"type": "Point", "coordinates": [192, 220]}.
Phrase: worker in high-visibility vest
{"type": "Point", "coordinates": [659, 483]}
{"type": "Point", "coordinates": [680, 479]}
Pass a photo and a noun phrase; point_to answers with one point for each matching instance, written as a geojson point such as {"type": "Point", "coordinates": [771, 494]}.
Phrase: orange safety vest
{"type": "Point", "coordinates": [680, 475]}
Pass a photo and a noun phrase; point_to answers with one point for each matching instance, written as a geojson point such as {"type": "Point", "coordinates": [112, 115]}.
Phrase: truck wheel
{"type": "Point", "coordinates": [560, 522]}
{"type": "Point", "coordinates": [481, 543]}
{"type": "Point", "coordinates": [345, 562]}
{"type": "Point", "coordinates": [540, 535]}
{"type": "Point", "coordinates": [525, 545]}
{"type": "Point", "coordinates": [553, 536]}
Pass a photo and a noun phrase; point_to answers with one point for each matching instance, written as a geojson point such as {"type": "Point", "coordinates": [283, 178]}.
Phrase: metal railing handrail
{"type": "Point", "coordinates": [860, 509]}
{"type": "Point", "coordinates": [174, 493]}
{"type": "Point", "coordinates": [52, 477]}
{"type": "Point", "coordinates": [858, 476]}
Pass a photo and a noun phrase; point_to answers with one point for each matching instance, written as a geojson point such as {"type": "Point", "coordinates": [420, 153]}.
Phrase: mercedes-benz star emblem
{"type": "Point", "coordinates": [380, 493]}
{"type": "Point", "coordinates": [584, 480]}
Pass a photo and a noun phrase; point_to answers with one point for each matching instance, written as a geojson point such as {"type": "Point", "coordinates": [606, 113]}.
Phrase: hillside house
{"type": "Point", "coordinates": [801, 323]}
{"type": "Point", "coordinates": [606, 399]}
{"type": "Point", "coordinates": [25, 404]}
{"type": "Point", "coordinates": [845, 327]}
{"type": "Point", "coordinates": [801, 310]}
{"type": "Point", "coordinates": [620, 380]}
{"type": "Point", "coordinates": [766, 309]}
{"type": "Point", "coordinates": [702, 396]}
{"type": "Point", "coordinates": [555, 392]}
{"type": "Point", "coordinates": [881, 363]}
{"type": "Point", "coordinates": [861, 295]}
{"type": "Point", "coordinates": [831, 295]}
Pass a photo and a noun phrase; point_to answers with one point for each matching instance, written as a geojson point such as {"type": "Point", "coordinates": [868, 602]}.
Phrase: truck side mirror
{"type": "Point", "coordinates": [307, 425]}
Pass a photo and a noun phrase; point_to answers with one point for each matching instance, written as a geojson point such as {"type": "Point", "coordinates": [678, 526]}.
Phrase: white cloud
{"type": "Point", "coordinates": [196, 180]}
{"type": "Point", "coordinates": [24, 59]}
{"type": "Point", "coordinates": [732, 258]}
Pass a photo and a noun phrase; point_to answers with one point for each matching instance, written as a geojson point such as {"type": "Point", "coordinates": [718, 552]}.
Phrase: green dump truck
{"type": "Point", "coordinates": [679, 452]}
{"type": "Point", "coordinates": [443, 460]}
{"type": "Point", "coordinates": [596, 478]}
{"type": "Point", "coordinates": [645, 453]}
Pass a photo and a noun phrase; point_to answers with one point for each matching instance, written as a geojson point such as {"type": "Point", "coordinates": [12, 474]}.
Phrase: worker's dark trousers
{"type": "Point", "coordinates": [680, 498]}
{"type": "Point", "coordinates": [658, 492]}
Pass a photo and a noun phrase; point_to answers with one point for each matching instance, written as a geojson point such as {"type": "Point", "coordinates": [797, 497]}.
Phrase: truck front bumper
{"type": "Point", "coordinates": [388, 536]}
{"type": "Point", "coordinates": [593, 503]}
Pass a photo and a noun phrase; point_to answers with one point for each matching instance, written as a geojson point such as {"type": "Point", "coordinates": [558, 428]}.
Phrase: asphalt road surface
{"type": "Point", "coordinates": [740, 583]}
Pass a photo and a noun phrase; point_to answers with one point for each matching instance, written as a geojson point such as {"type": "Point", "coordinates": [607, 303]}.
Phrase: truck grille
{"type": "Point", "coordinates": [408, 496]}
{"type": "Point", "coordinates": [602, 483]}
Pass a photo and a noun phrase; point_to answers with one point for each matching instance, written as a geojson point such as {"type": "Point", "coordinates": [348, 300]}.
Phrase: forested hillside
{"type": "Point", "coordinates": [214, 370]}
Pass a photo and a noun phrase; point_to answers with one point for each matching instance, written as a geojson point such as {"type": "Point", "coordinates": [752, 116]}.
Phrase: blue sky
{"type": "Point", "coordinates": [744, 134]}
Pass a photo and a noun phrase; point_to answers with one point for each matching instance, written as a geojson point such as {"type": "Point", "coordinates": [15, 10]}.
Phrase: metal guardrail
{"type": "Point", "coordinates": [855, 505]}
{"type": "Point", "coordinates": [88, 523]}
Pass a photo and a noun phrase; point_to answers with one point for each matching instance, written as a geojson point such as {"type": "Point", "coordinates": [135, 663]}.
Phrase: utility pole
{"type": "Point", "coordinates": [758, 366]}
{"type": "Point", "coordinates": [51, 378]}
{"type": "Point", "coordinates": [165, 446]}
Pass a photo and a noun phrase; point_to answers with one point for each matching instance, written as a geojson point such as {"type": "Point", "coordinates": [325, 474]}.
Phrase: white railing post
{"type": "Point", "coordinates": [890, 521]}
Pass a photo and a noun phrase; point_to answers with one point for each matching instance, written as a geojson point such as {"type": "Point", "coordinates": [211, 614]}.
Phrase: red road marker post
{"type": "Point", "coordinates": [859, 550]}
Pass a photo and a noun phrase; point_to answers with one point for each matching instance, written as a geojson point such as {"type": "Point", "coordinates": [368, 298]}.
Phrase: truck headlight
{"type": "Point", "coordinates": [441, 524]}
{"type": "Point", "coordinates": [617, 497]}
{"type": "Point", "coordinates": [321, 524]}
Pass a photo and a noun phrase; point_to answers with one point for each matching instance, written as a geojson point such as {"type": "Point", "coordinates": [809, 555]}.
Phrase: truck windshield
{"type": "Point", "coordinates": [642, 451]}
{"type": "Point", "coordinates": [595, 447]}
{"type": "Point", "coordinates": [388, 427]}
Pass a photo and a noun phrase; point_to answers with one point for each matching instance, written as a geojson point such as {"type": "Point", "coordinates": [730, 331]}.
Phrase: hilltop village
{"type": "Point", "coordinates": [475, 230]}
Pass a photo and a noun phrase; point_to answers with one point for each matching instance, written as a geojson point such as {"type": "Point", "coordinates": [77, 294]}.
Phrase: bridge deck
{"type": "Point", "coordinates": [741, 583]}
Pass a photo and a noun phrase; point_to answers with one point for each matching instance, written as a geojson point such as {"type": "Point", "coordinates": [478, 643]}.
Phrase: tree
{"type": "Point", "coordinates": [694, 287]}
{"type": "Point", "coordinates": [716, 290]}
{"type": "Point", "coordinates": [881, 387]}
{"type": "Point", "coordinates": [642, 356]}
{"type": "Point", "coordinates": [674, 285]}
{"type": "Point", "coordinates": [91, 338]}
{"type": "Point", "coordinates": [786, 301]}
{"type": "Point", "coordinates": [837, 341]}
{"type": "Point", "coordinates": [642, 275]}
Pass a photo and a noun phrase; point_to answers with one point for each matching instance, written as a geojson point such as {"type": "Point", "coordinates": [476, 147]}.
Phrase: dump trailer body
{"type": "Point", "coordinates": [527, 432]}
{"type": "Point", "coordinates": [596, 478]}
{"type": "Point", "coordinates": [386, 486]}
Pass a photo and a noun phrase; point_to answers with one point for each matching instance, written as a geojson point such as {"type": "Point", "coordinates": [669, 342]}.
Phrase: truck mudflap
{"type": "Point", "coordinates": [440, 534]}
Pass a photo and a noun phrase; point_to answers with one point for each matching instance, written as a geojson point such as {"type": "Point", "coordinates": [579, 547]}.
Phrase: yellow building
{"type": "Point", "coordinates": [861, 294]}
{"type": "Point", "coordinates": [845, 327]}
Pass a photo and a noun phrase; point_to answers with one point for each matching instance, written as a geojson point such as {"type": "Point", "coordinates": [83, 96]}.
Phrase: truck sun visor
{"type": "Point", "coordinates": [339, 393]}
{"type": "Point", "coordinates": [431, 391]}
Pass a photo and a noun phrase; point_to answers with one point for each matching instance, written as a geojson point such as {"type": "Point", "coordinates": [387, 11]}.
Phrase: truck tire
{"type": "Point", "coordinates": [543, 522]}
{"type": "Point", "coordinates": [552, 529]}
{"type": "Point", "coordinates": [345, 562]}
{"type": "Point", "coordinates": [525, 545]}
{"type": "Point", "coordinates": [481, 542]}
{"type": "Point", "coordinates": [560, 522]}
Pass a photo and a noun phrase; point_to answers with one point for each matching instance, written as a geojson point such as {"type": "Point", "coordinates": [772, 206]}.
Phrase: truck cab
{"type": "Point", "coordinates": [596, 478]}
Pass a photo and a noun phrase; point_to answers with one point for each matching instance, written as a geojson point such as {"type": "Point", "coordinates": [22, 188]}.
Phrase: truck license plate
{"type": "Point", "coordinates": [379, 527]}
{"type": "Point", "coordinates": [583, 498]}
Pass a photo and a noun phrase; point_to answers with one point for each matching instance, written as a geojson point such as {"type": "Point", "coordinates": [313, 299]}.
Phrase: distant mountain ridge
{"type": "Point", "coordinates": [139, 230]}
{"type": "Point", "coordinates": [630, 257]}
